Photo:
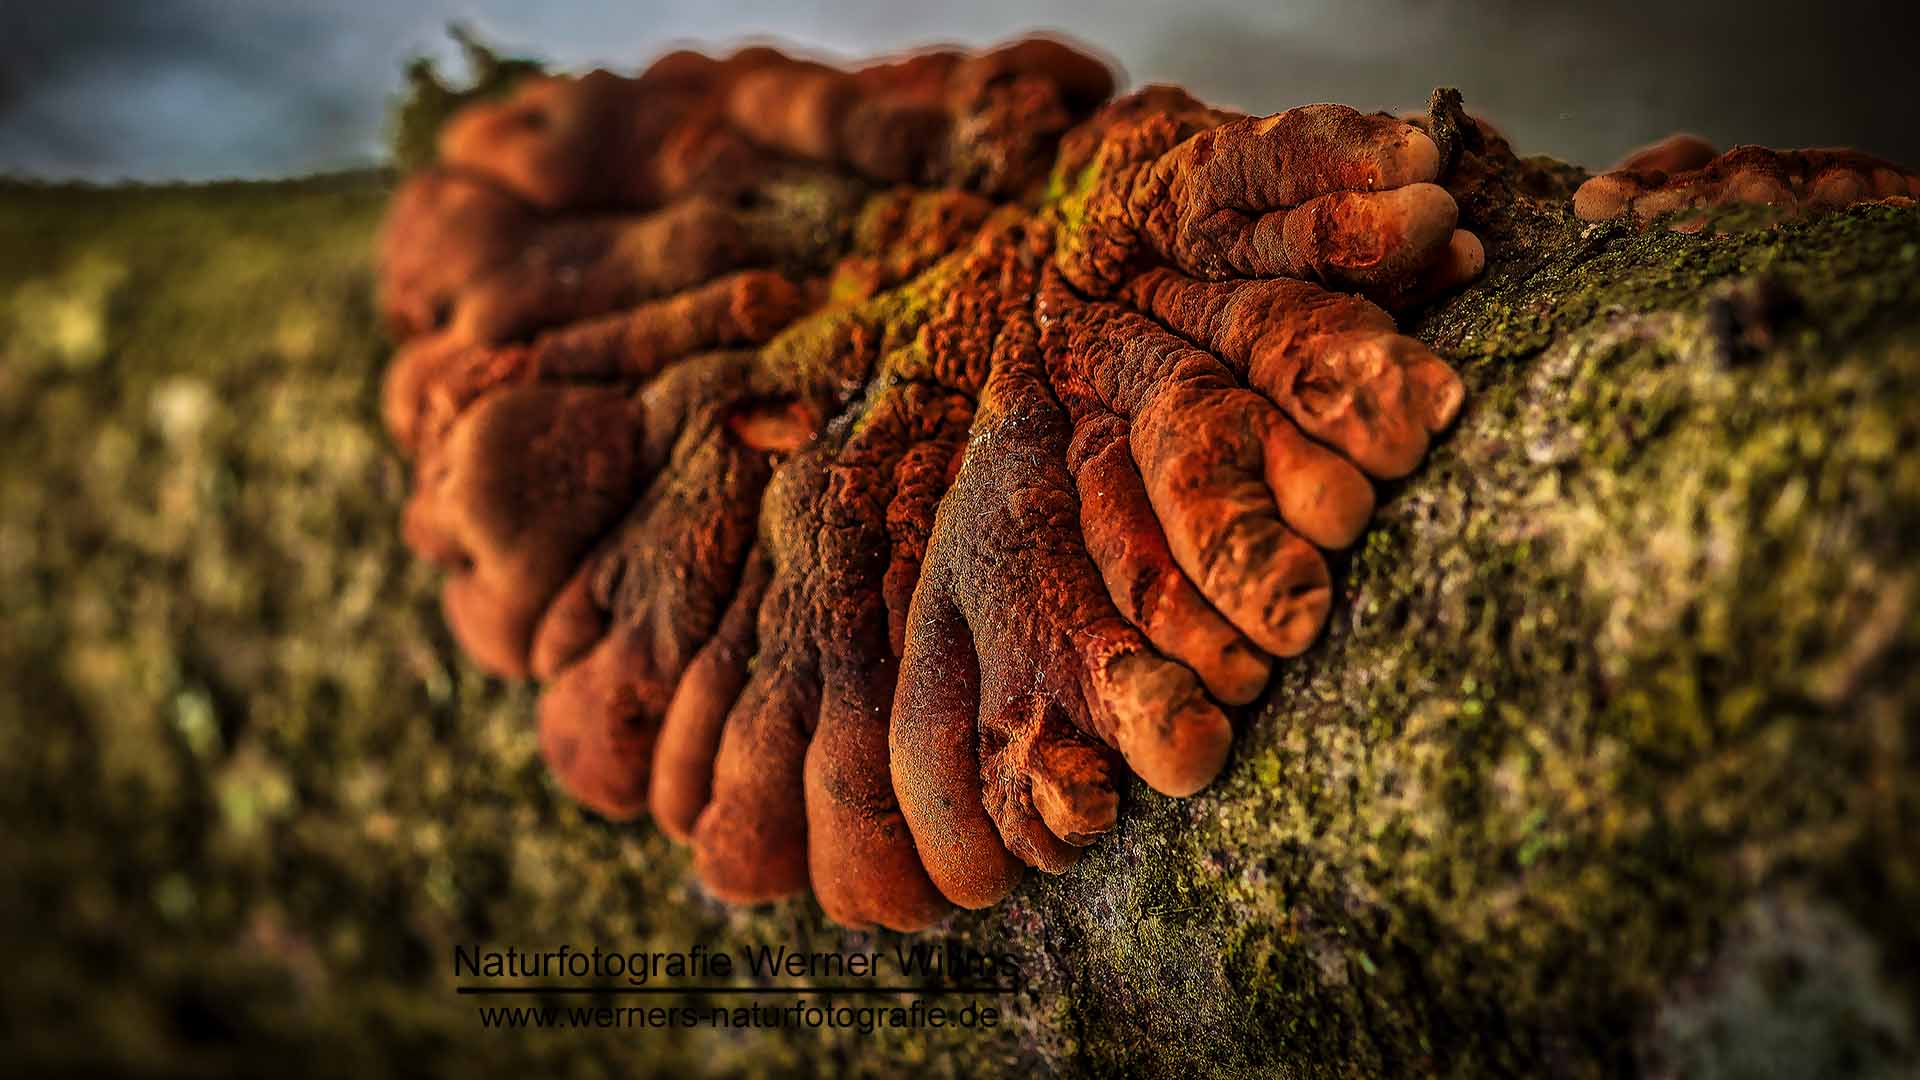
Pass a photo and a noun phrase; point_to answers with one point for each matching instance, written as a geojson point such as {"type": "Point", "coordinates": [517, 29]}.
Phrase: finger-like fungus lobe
{"type": "Point", "coordinates": [877, 466]}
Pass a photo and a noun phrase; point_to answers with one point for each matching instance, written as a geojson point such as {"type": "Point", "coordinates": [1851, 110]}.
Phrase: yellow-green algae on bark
{"type": "Point", "coordinates": [1608, 760]}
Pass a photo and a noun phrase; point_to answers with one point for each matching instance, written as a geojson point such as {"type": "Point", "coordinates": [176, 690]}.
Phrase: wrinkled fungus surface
{"type": "Point", "coordinates": [878, 466]}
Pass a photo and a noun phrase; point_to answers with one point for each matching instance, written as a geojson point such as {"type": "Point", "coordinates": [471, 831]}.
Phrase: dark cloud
{"type": "Point", "coordinates": [1584, 82]}
{"type": "Point", "coordinates": [105, 89]}
{"type": "Point", "coordinates": [164, 89]}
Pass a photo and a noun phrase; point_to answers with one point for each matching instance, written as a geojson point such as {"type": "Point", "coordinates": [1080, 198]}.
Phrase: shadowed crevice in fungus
{"type": "Point", "coordinates": [878, 466]}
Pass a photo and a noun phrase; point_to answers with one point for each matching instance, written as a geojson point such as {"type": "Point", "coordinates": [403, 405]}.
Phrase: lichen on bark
{"type": "Point", "coordinates": [1607, 759]}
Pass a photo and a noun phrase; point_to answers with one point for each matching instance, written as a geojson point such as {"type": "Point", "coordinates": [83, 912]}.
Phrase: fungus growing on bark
{"type": "Point", "coordinates": [1682, 175]}
{"type": "Point", "coordinates": [877, 466]}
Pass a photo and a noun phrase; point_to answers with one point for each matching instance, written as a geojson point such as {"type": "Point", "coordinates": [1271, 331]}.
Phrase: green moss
{"type": "Point", "coordinates": [850, 351]}
{"type": "Point", "coordinates": [1068, 196]}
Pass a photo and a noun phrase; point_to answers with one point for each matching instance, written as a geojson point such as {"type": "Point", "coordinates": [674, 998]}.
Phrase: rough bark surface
{"type": "Point", "coordinates": [1608, 757]}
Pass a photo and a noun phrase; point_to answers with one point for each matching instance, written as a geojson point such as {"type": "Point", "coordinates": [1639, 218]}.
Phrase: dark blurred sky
{"type": "Point", "coordinates": [195, 89]}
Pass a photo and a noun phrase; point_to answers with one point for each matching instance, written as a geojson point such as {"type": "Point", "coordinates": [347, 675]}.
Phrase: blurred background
{"type": "Point", "coordinates": [153, 90]}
